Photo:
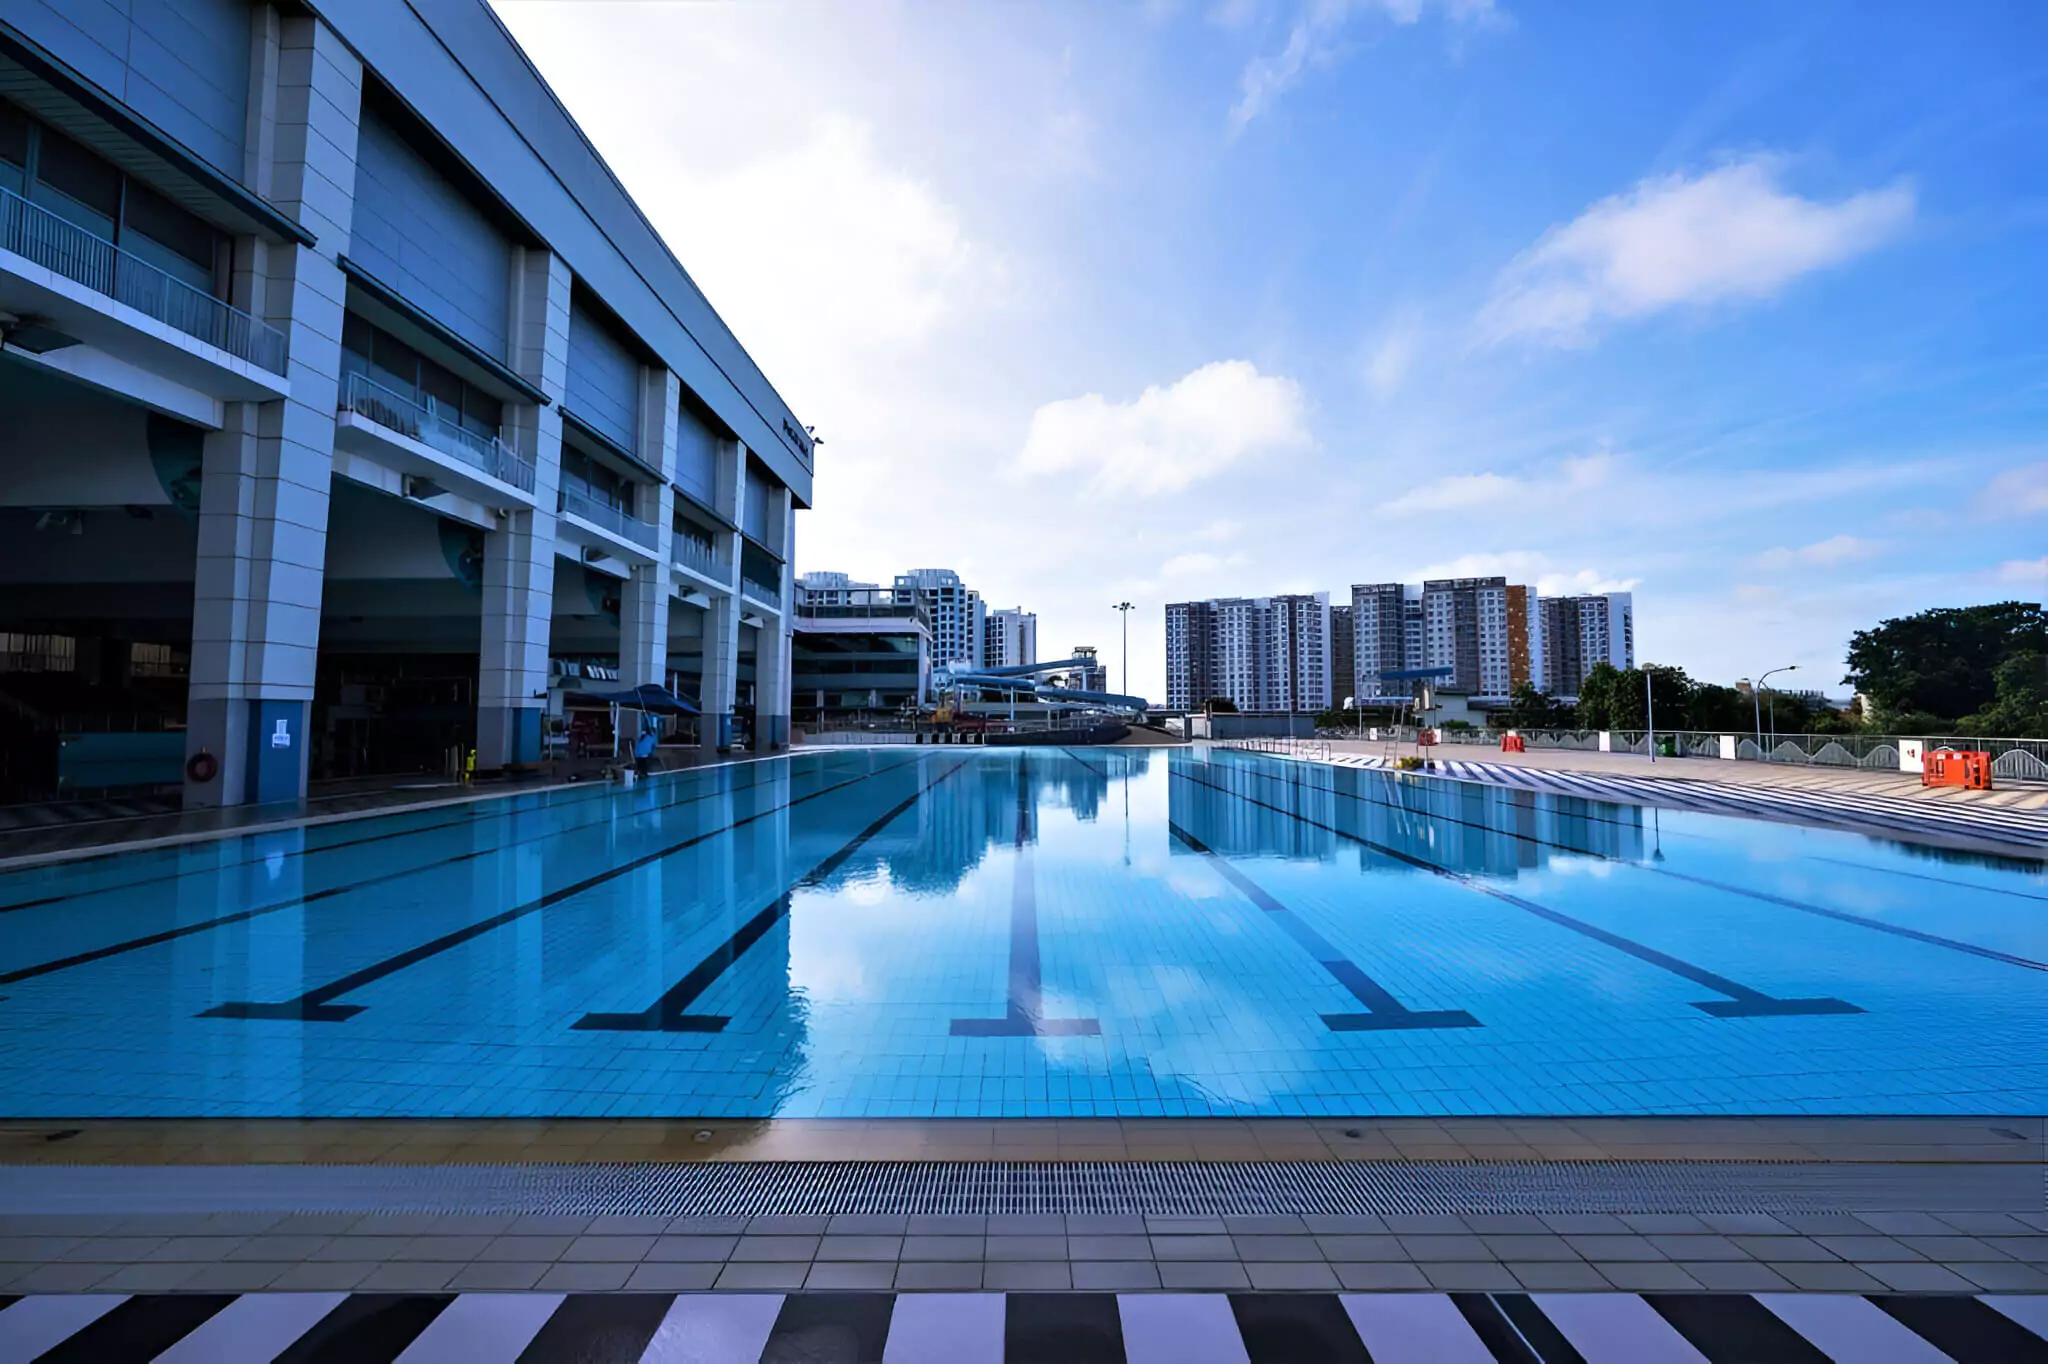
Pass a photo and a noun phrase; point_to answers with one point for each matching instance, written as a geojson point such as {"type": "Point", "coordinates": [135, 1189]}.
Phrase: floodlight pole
{"type": "Point", "coordinates": [1650, 712]}
{"type": "Point", "coordinates": [1124, 609]}
{"type": "Point", "coordinates": [1756, 697]}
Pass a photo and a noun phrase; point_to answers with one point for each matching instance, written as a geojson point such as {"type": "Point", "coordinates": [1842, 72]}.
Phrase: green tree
{"type": "Point", "coordinates": [2019, 709]}
{"type": "Point", "coordinates": [1943, 662]}
{"type": "Point", "coordinates": [1623, 703]}
{"type": "Point", "coordinates": [1719, 709]}
{"type": "Point", "coordinates": [1529, 708]}
{"type": "Point", "coordinates": [1596, 696]}
{"type": "Point", "coordinates": [1220, 705]}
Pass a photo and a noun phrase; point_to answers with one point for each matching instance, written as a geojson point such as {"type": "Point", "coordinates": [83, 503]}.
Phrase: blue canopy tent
{"type": "Point", "coordinates": [648, 697]}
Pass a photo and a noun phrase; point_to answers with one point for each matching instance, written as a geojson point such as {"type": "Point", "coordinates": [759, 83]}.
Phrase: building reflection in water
{"type": "Point", "coordinates": [1244, 805]}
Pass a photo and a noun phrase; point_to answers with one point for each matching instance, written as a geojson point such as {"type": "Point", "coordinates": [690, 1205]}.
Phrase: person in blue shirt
{"type": "Point", "coordinates": [643, 748]}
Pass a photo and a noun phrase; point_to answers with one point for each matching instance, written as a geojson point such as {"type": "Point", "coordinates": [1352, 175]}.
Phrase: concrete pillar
{"type": "Point", "coordinates": [772, 649]}
{"type": "Point", "coordinates": [519, 556]}
{"type": "Point", "coordinates": [643, 601]}
{"type": "Point", "coordinates": [263, 499]}
{"type": "Point", "coordinates": [722, 616]}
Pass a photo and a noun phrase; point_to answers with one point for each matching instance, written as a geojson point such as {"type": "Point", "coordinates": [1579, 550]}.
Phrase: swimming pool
{"type": "Point", "coordinates": [961, 932]}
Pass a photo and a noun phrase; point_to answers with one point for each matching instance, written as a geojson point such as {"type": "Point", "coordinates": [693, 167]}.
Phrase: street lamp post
{"type": "Point", "coordinates": [1650, 713]}
{"type": "Point", "coordinates": [1123, 608]}
{"type": "Point", "coordinates": [1756, 697]}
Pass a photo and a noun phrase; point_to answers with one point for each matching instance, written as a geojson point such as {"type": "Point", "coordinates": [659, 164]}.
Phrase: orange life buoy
{"type": "Point", "coordinates": [202, 767]}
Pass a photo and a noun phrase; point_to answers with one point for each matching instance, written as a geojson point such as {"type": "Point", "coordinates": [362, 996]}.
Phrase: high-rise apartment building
{"type": "Point", "coordinates": [1569, 635]}
{"type": "Point", "coordinates": [1343, 655]}
{"type": "Point", "coordinates": [958, 618]}
{"type": "Point", "coordinates": [1009, 638]}
{"type": "Point", "coordinates": [1379, 639]}
{"type": "Point", "coordinates": [1262, 653]}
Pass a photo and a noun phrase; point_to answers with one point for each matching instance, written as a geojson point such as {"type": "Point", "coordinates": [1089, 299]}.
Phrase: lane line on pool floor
{"type": "Point", "coordinates": [1766, 897]}
{"type": "Point", "coordinates": [1384, 1013]}
{"type": "Point", "coordinates": [317, 1005]}
{"type": "Point", "coordinates": [1024, 1015]}
{"type": "Point", "coordinates": [300, 900]}
{"type": "Point", "coordinates": [1742, 1001]}
{"type": "Point", "coordinates": [474, 815]}
{"type": "Point", "coordinates": [671, 1013]}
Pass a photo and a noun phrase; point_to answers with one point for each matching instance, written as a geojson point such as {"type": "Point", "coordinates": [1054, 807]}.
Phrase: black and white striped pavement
{"type": "Point", "coordinates": [1024, 1328]}
{"type": "Point", "coordinates": [1841, 809]}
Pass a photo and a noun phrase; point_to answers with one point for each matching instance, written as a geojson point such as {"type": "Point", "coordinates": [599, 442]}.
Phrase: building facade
{"type": "Point", "coordinates": [1568, 636]}
{"type": "Point", "coordinates": [958, 617]}
{"type": "Point", "coordinates": [1009, 638]}
{"type": "Point", "coordinates": [1344, 679]}
{"type": "Point", "coordinates": [368, 391]}
{"type": "Point", "coordinates": [1259, 653]}
{"type": "Point", "coordinates": [860, 652]}
{"type": "Point", "coordinates": [1379, 638]}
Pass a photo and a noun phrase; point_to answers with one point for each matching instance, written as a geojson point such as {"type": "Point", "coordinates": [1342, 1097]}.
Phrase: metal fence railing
{"type": "Point", "coordinates": [83, 257]}
{"type": "Point", "coordinates": [1313, 750]}
{"type": "Point", "coordinates": [693, 552]}
{"type": "Point", "coordinates": [574, 502]}
{"type": "Point", "coordinates": [765, 593]}
{"type": "Point", "coordinates": [424, 423]}
{"type": "Point", "coordinates": [2015, 759]}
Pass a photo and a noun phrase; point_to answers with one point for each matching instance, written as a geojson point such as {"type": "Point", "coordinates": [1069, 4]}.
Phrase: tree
{"type": "Point", "coordinates": [1719, 709]}
{"type": "Point", "coordinates": [2019, 709]}
{"type": "Point", "coordinates": [1529, 708]}
{"type": "Point", "coordinates": [1220, 705]}
{"type": "Point", "coordinates": [1944, 661]}
{"type": "Point", "coordinates": [1596, 696]}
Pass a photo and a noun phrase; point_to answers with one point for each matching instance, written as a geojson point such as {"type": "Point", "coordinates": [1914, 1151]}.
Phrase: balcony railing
{"type": "Point", "coordinates": [692, 552]}
{"type": "Point", "coordinates": [80, 256]}
{"type": "Point", "coordinates": [766, 593]}
{"type": "Point", "coordinates": [396, 411]}
{"type": "Point", "coordinates": [575, 502]}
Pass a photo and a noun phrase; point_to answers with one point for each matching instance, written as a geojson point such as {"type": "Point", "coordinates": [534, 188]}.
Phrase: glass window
{"type": "Point", "coordinates": [14, 126]}
{"type": "Point", "coordinates": [77, 184]}
{"type": "Point", "coordinates": [168, 237]}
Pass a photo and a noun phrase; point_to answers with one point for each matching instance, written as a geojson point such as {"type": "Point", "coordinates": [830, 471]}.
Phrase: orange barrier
{"type": "Point", "coordinates": [1425, 738]}
{"type": "Point", "coordinates": [1947, 767]}
{"type": "Point", "coordinates": [1512, 743]}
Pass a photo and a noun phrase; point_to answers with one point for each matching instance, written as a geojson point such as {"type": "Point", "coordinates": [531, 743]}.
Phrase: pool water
{"type": "Point", "coordinates": [961, 932]}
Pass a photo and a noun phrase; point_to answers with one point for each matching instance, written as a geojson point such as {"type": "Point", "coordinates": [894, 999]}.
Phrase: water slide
{"type": "Point", "coordinates": [1022, 678]}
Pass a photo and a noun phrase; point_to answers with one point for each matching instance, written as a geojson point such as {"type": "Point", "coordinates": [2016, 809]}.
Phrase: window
{"type": "Point", "coordinates": [368, 349]}
{"type": "Point", "coordinates": [169, 238]}
{"type": "Point", "coordinates": [581, 473]}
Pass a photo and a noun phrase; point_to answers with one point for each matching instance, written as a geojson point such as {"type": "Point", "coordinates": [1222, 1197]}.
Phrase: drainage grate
{"type": "Point", "coordinates": [1196, 1188]}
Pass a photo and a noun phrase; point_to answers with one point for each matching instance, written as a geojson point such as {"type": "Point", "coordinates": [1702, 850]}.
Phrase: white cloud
{"type": "Point", "coordinates": [1315, 37]}
{"type": "Point", "coordinates": [2031, 572]}
{"type": "Point", "coordinates": [1222, 414]}
{"type": "Point", "coordinates": [2018, 492]}
{"type": "Point", "coordinates": [1489, 489]}
{"type": "Point", "coordinates": [1387, 368]}
{"type": "Point", "coordinates": [1198, 564]}
{"type": "Point", "coordinates": [1730, 234]}
{"type": "Point", "coordinates": [1527, 567]}
{"type": "Point", "coordinates": [1837, 549]}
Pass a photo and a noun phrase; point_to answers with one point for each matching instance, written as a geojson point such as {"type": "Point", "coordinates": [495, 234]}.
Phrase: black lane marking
{"type": "Point", "coordinates": [596, 1328]}
{"type": "Point", "coordinates": [307, 898]}
{"type": "Point", "coordinates": [317, 1005]}
{"type": "Point", "coordinates": [568, 798]}
{"type": "Point", "coordinates": [1896, 930]}
{"type": "Point", "coordinates": [1025, 1016]}
{"type": "Point", "coordinates": [1384, 1013]}
{"type": "Point", "coordinates": [852, 1328]}
{"type": "Point", "coordinates": [1296, 1326]}
{"type": "Point", "coordinates": [1939, 881]}
{"type": "Point", "coordinates": [1742, 1001]}
{"type": "Point", "coordinates": [1062, 1328]}
{"type": "Point", "coordinates": [140, 1328]}
{"type": "Point", "coordinates": [1503, 1336]}
{"type": "Point", "coordinates": [1734, 1326]}
{"type": "Point", "coordinates": [671, 1012]}
{"type": "Point", "coordinates": [1963, 1327]}
{"type": "Point", "coordinates": [367, 1326]}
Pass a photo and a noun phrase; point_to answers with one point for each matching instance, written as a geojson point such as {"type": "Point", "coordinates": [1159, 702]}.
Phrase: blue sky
{"type": "Point", "coordinates": [1738, 305]}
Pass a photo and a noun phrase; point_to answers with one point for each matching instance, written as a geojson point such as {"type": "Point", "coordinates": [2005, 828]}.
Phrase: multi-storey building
{"type": "Point", "coordinates": [1343, 655]}
{"type": "Point", "coordinates": [859, 650]}
{"type": "Point", "coordinates": [957, 615]}
{"type": "Point", "coordinates": [1261, 653]}
{"type": "Point", "coordinates": [831, 589]}
{"type": "Point", "coordinates": [1009, 638]}
{"type": "Point", "coordinates": [1379, 638]}
{"type": "Point", "coordinates": [1569, 635]}
{"type": "Point", "coordinates": [1478, 628]}
{"type": "Point", "coordinates": [1090, 675]}
{"type": "Point", "coordinates": [340, 373]}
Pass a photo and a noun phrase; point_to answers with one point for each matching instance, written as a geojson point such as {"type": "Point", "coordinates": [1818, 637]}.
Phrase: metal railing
{"type": "Point", "coordinates": [424, 423]}
{"type": "Point", "coordinates": [574, 502]}
{"type": "Point", "coordinates": [2015, 759]}
{"type": "Point", "coordinates": [765, 593]}
{"type": "Point", "coordinates": [86, 258]}
{"type": "Point", "coordinates": [1282, 746]}
{"type": "Point", "coordinates": [695, 553]}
